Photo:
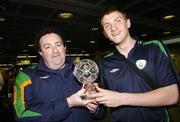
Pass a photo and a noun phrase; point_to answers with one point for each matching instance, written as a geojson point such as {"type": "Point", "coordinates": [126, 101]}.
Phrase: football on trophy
{"type": "Point", "coordinates": [86, 71]}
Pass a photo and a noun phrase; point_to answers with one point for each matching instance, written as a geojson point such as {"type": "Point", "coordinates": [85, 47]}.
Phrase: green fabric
{"type": "Point", "coordinates": [167, 116]}
{"type": "Point", "coordinates": [157, 43]}
{"type": "Point", "coordinates": [22, 79]}
{"type": "Point", "coordinates": [108, 55]}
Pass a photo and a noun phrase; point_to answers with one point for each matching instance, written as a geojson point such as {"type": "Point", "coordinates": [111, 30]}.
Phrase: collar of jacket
{"type": "Point", "coordinates": [68, 66]}
{"type": "Point", "coordinates": [117, 54]}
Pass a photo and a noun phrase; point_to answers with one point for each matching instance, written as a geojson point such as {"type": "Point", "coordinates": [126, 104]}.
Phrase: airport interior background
{"type": "Point", "coordinates": [20, 20]}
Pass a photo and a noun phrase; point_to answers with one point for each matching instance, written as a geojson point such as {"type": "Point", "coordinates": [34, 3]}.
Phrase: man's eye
{"type": "Point", "coordinates": [59, 44]}
{"type": "Point", "coordinates": [106, 26]}
{"type": "Point", "coordinates": [46, 47]}
{"type": "Point", "coordinates": [118, 20]}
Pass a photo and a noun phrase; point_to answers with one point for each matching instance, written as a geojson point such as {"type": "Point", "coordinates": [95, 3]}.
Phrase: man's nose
{"type": "Point", "coordinates": [113, 27]}
{"type": "Point", "coordinates": [55, 49]}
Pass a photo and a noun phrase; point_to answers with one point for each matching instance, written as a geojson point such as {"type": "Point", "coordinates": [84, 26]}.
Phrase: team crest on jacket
{"type": "Point", "coordinates": [141, 63]}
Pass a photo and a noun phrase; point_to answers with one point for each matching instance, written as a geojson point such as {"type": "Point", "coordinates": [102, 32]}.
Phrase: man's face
{"type": "Point", "coordinates": [52, 51]}
{"type": "Point", "coordinates": [115, 26]}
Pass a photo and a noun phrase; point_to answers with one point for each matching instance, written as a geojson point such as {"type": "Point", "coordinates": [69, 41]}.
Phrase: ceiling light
{"type": "Point", "coordinates": [32, 56]}
{"type": "Point", "coordinates": [168, 17]}
{"type": "Point", "coordinates": [6, 65]}
{"type": "Point", "coordinates": [24, 51]}
{"type": "Point", "coordinates": [86, 54]}
{"type": "Point", "coordinates": [23, 62]}
{"type": "Point", "coordinates": [31, 45]}
{"type": "Point", "coordinates": [143, 35]}
{"type": "Point", "coordinates": [167, 32]}
{"type": "Point", "coordinates": [21, 56]}
{"type": "Point", "coordinates": [65, 15]}
{"type": "Point", "coordinates": [2, 19]}
{"type": "Point", "coordinates": [94, 29]}
{"type": "Point", "coordinates": [172, 41]}
{"type": "Point", "coordinates": [92, 42]}
{"type": "Point", "coordinates": [68, 41]}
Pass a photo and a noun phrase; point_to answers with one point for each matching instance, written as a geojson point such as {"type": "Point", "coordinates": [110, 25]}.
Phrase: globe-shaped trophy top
{"type": "Point", "coordinates": [86, 71]}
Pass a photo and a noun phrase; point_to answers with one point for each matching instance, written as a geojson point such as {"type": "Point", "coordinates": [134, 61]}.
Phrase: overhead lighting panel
{"type": "Point", "coordinates": [92, 42]}
{"type": "Point", "coordinates": [2, 19]}
{"type": "Point", "coordinates": [94, 29]}
{"type": "Point", "coordinates": [168, 17]}
{"type": "Point", "coordinates": [65, 15]}
{"type": "Point", "coordinates": [166, 32]}
{"type": "Point", "coordinates": [144, 35]}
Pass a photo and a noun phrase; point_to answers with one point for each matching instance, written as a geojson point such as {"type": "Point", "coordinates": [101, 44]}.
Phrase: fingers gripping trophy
{"type": "Point", "coordinates": [86, 72]}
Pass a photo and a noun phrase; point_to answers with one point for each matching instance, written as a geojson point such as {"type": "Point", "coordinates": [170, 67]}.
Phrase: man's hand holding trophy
{"type": "Point", "coordinates": [86, 72]}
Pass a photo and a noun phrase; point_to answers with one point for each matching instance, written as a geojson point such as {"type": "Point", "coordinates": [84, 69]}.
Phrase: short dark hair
{"type": "Point", "coordinates": [45, 31]}
{"type": "Point", "coordinates": [111, 9]}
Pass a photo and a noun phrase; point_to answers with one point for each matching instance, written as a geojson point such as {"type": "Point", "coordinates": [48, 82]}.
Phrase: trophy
{"type": "Point", "coordinates": [86, 72]}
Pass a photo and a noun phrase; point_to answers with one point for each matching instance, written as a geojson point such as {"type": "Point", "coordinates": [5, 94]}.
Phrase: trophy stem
{"type": "Point", "coordinates": [89, 87]}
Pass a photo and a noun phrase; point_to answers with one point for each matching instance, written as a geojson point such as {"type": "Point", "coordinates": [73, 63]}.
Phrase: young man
{"type": "Point", "coordinates": [130, 97]}
{"type": "Point", "coordinates": [49, 91]}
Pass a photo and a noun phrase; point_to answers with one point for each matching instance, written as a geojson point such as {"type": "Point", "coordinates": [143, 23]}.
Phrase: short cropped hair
{"type": "Point", "coordinates": [45, 31]}
{"type": "Point", "coordinates": [111, 9]}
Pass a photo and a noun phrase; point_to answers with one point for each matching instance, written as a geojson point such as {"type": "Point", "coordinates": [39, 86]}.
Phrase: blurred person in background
{"type": "Point", "coordinates": [1, 81]}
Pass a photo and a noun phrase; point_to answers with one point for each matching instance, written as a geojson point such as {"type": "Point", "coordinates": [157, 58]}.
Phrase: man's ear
{"type": "Point", "coordinates": [40, 53]}
{"type": "Point", "coordinates": [128, 23]}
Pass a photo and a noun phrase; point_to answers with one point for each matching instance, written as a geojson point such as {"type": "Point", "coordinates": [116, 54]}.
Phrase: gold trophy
{"type": "Point", "coordinates": [86, 72]}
